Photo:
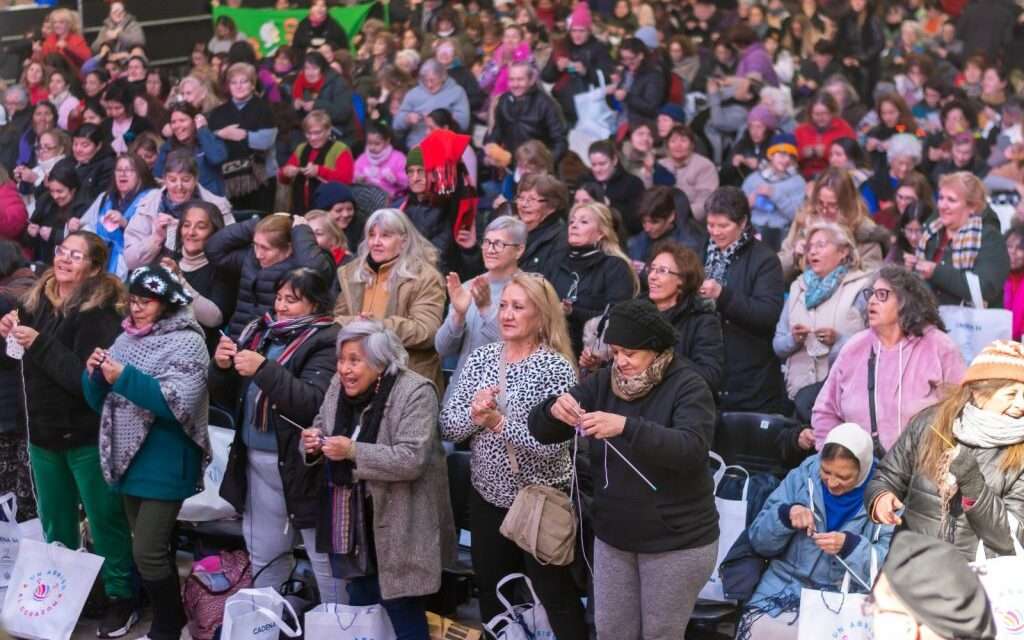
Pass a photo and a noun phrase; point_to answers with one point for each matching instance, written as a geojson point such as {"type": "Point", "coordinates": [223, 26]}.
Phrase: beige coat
{"type": "Point", "coordinates": [811, 362]}
{"type": "Point", "coordinates": [872, 245]}
{"type": "Point", "coordinates": [698, 178]}
{"type": "Point", "coordinates": [140, 245]}
{"type": "Point", "coordinates": [415, 310]}
{"type": "Point", "coordinates": [407, 478]}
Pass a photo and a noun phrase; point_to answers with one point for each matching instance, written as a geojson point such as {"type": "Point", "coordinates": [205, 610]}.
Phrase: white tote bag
{"type": "Point", "coordinates": [593, 115]}
{"type": "Point", "coordinates": [348, 622]}
{"type": "Point", "coordinates": [528, 621]}
{"type": "Point", "coordinates": [974, 328]}
{"type": "Point", "coordinates": [10, 536]}
{"type": "Point", "coordinates": [208, 505]}
{"type": "Point", "coordinates": [732, 520]}
{"type": "Point", "coordinates": [255, 614]}
{"type": "Point", "coordinates": [1001, 579]}
{"type": "Point", "coordinates": [48, 589]}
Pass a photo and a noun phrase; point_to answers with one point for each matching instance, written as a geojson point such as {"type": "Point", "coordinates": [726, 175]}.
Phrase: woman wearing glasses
{"type": "Point", "coordinates": [834, 198]}
{"type": "Point", "coordinates": [824, 307]}
{"type": "Point", "coordinates": [472, 319]}
{"type": "Point", "coordinates": [75, 307]}
{"type": "Point", "coordinates": [893, 369]}
{"type": "Point", "coordinates": [113, 209]}
{"type": "Point", "coordinates": [59, 210]}
{"type": "Point", "coordinates": [595, 273]}
{"type": "Point", "coordinates": [539, 201]}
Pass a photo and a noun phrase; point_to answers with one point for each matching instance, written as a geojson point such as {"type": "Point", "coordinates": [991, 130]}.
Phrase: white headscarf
{"type": "Point", "coordinates": [858, 441]}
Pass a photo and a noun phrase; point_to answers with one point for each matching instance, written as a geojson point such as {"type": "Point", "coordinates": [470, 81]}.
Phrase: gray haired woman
{"type": "Point", "coordinates": [435, 91]}
{"type": "Point", "coordinates": [393, 280]}
{"type": "Point", "coordinates": [376, 433]}
{"type": "Point", "coordinates": [473, 314]}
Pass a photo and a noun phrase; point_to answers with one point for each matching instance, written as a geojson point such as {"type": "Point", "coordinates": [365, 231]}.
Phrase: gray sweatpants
{"type": "Point", "coordinates": [648, 596]}
{"type": "Point", "coordinates": [268, 532]}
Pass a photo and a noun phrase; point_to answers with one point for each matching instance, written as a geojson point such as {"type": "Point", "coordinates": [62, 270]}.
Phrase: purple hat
{"type": "Point", "coordinates": [764, 115]}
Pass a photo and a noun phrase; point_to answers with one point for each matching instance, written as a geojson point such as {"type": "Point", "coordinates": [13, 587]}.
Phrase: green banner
{"type": "Point", "coordinates": [268, 29]}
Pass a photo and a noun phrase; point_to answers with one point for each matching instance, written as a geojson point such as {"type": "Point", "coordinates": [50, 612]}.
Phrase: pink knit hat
{"type": "Point", "coordinates": [580, 16]}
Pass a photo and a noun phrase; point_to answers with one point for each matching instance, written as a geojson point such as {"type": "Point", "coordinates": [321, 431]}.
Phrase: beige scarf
{"type": "Point", "coordinates": [631, 388]}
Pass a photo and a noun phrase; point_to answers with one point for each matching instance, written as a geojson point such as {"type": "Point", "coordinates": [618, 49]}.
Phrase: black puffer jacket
{"type": "Point", "coordinates": [749, 308]}
{"type": "Point", "coordinates": [700, 337]}
{"type": "Point", "coordinates": [59, 417]}
{"type": "Point", "coordinates": [295, 390]}
{"type": "Point", "coordinates": [96, 174]}
{"type": "Point", "coordinates": [546, 247]}
{"type": "Point", "coordinates": [534, 116]}
{"type": "Point", "coordinates": [624, 191]}
{"type": "Point", "coordinates": [593, 54]}
{"type": "Point", "coordinates": [1004, 491]}
{"type": "Point", "coordinates": [647, 94]}
{"type": "Point", "coordinates": [230, 249]}
{"type": "Point", "coordinates": [591, 280]}
{"type": "Point", "coordinates": [667, 436]}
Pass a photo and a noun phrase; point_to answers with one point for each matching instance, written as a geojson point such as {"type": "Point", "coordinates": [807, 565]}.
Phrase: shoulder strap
{"type": "Point", "coordinates": [879, 450]}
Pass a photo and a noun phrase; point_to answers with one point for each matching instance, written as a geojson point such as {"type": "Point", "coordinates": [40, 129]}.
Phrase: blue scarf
{"type": "Point", "coordinates": [115, 238]}
{"type": "Point", "coordinates": [820, 289]}
{"type": "Point", "coordinates": [840, 509]}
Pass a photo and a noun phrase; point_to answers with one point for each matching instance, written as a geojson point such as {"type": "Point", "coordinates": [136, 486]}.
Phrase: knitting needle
{"type": "Point", "coordinates": [579, 431]}
{"type": "Point", "coordinates": [944, 438]}
{"type": "Point", "coordinates": [297, 425]}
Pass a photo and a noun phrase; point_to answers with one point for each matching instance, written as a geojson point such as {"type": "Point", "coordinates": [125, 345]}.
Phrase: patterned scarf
{"type": "Point", "coordinates": [261, 332]}
{"type": "Point", "coordinates": [821, 288]}
{"type": "Point", "coordinates": [965, 245]}
{"type": "Point", "coordinates": [716, 265]}
{"type": "Point", "coordinates": [631, 388]}
{"type": "Point", "coordinates": [174, 353]}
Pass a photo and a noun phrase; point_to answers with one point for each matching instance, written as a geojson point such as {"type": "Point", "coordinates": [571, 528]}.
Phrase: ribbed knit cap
{"type": "Point", "coordinates": [1001, 360]}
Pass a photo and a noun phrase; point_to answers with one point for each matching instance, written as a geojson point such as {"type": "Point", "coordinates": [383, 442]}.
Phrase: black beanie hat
{"type": "Point", "coordinates": [950, 602]}
{"type": "Point", "coordinates": [157, 282]}
{"type": "Point", "coordinates": [637, 324]}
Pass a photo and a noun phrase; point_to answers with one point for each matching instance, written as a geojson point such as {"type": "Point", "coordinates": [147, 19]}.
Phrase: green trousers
{"type": "Point", "coordinates": [65, 479]}
{"type": "Point", "coordinates": [152, 523]}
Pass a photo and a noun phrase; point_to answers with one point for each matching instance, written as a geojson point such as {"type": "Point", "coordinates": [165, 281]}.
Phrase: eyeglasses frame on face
{"type": "Point", "coordinates": [74, 255]}
{"type": "Point", "coordinates": [662, 271]}
{"type": "Point", "coordinates": [497, 245]}
{"type": "Point", "coordinates": [530, 201]}
{"type": "Point", "coordinates": [882, 294]}
{"type": "Point", "coordinates": [138, 301]}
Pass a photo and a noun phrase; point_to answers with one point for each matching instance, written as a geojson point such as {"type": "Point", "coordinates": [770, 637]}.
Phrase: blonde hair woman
{"type": "Point", "coordinates": [199, 93]}
{"type": "Point", "coordinates": [329, 235]}
{"type": "Point", "coordinates": [65, 39]}
{"type": "Point", "coordinates": [393, 279]}
{"type": "Point", "coordinates": [489, 407]}
{"type": "Point", "coordinates": [595, 272]}
{"type": "Point", "coordinates": [834, 198]}
{"type": "Point", "coordinates": [959, 241]}
{"type": "Point", "coordinates": [824, 307]}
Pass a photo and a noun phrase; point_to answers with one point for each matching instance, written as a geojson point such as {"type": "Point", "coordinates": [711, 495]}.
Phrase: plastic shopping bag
{"type": "Point", "coordinates": [48, 589]}
{"type": "Point", "coordinates": [974, 328]}
{"type": "Point", "coordinates": [732, 521]}
{"type": "Point", "coordinates": [528, 621]}
{"type": "Point", "coordinates": [208, 505]}
{"type": "Point", "coordinates": [255, 614]}
{"type": "Point", "coordinates": [10, 536]}
{"type": "Point", "coordinates": [1001, 579]}
{"type": "Point", "coordinates": [348, 622]}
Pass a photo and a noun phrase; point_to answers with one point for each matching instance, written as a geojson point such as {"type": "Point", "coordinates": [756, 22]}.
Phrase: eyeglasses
{"type": "Point", "coordinates": [905, 198]}
{"type": "Point", "coordinates": [820, 244]}
{"type": "Point", "coordinates": [530, 201]}
{"type": "Point", "coordinates": [828, 206]}
{"type": "Point", "coordinates": [124, 170]}
{"type": "Point", "coordinates": [136, 301]}
{"type": "Point", "coordinates": [881, 294]}
{"type": "Point", "coordinates": [74, 255]}
{"type": "Point", "coordinates": [497, 245]}
{"type": "Point", "coordinates": [663, 271]}
{"type": "Point", "coordinates": [46, 147]}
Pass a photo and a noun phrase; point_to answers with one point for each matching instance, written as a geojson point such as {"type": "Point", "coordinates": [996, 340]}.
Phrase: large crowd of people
{"type": "Point", "coordinates": [536, 231]}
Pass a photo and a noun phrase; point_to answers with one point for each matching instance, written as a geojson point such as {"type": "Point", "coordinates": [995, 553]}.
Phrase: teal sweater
{"type": "Point", "coordinates": [168, 464]}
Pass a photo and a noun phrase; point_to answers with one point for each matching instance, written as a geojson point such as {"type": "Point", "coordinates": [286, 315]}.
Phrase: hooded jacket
{"type": "Point", "coordinates": [911, 376]}
{"type": "Point", "coordinates": [796, 560]}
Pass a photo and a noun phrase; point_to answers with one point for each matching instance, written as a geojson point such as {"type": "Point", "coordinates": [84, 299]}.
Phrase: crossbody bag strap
{"type": "Point", "coordinates": [871, 403]}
